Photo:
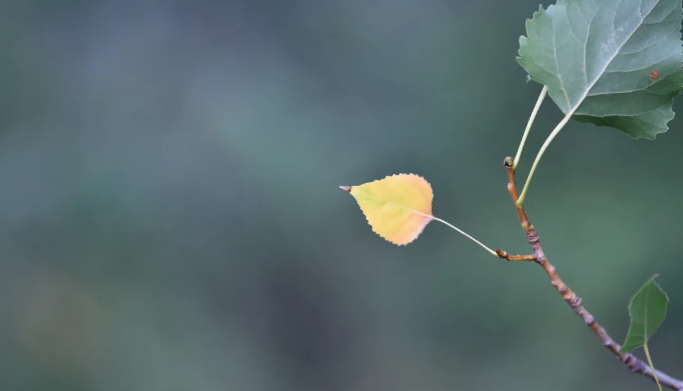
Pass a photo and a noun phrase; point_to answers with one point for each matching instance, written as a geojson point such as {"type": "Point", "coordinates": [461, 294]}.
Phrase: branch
{"type": "Point", "coordinates": [509, 257]}
{"type": "Point", "coordinates": [574, 301]}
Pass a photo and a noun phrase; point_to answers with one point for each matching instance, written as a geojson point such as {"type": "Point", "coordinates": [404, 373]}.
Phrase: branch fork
{"type": "Point", "coordinates": [571, 298]}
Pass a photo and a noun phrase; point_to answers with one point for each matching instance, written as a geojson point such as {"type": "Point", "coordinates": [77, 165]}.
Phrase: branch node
{"type": "Point", "coordinates": [590, 321]}
{"type": "Point", "coordinates": [531, 235]}
{"type": "Point", "coordinates": [576, 302]}
{"type": "Point", "coordinates": [631, 361]}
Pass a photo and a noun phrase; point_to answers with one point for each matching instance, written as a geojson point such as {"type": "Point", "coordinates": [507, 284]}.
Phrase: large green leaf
{"type": "Point", "coordinates": [647, 309]}
{"type": "Point", "coordinates": [609, 62]}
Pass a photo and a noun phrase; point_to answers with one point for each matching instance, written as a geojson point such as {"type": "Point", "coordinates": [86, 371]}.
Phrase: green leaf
{"type": "Point", "coordinates": [609, 62]}
{"type": "Point", "coordinates": [647, 309]}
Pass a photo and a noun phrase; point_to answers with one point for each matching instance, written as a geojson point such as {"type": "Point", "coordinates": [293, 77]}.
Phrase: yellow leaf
{"type": "Point", "coordinates": [397, 207]}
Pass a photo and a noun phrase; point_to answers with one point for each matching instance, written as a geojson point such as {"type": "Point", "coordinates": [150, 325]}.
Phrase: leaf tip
{"type": "Point", "coordinates": [346, 188]}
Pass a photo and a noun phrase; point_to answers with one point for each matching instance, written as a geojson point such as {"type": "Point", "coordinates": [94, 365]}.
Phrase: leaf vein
{"type": "Point", "coordinates": [644, 67]}
{"type": "Point", "coordinates": [664, 17]}
{"type": "Point", "coordinates": [585, 48]}
{"type": "Point", "coordinates": [569, 23]}
{"type": "Point", "coordinates": [557, 65]}
{"type": "Point", "coordinates": [648, 46]}
{"type": "Point", "coordinates": [616, 52]}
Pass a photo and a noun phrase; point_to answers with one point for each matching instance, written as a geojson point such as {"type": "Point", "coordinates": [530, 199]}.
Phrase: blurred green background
{"type": "Point", "coordinates": [170, 217]}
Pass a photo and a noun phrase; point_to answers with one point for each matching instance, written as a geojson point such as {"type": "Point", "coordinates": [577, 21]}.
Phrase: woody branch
{"type": "Point", "coordinates": [571, 298]}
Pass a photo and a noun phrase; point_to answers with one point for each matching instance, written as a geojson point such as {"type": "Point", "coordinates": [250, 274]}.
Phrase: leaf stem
{"type": "Point", "coordinates": [465, 234]}
{"type": "Point", "coordinates": [649, 360]}
{"type": "Point", "coordinates": [541, 97]}
{"type": "Point", "coordinates": [547, 142]}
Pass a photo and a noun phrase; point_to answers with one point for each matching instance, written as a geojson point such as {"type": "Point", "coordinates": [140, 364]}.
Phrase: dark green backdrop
{"type": "Point", "coordinates": [170, 217]}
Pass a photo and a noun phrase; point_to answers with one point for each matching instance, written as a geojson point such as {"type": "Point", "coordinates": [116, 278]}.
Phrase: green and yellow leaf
{"type": "Point", "coordinates": [398, 207]}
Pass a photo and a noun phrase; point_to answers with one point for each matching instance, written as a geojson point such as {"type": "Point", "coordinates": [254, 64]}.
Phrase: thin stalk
{"type": "Point", "coordinates": [541, 97]}
{"type": "Point", "coordinates": [465, 234]}
{"type": "Point", "coordinates": [649, 360]}
{"type": "Point", "coordinates": [547, 142]}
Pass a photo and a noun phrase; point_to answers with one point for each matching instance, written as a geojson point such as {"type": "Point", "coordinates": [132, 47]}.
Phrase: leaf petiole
{"type": "Point", "coordinates": [649, 361]}
{"type": "Point", "coordinates": [541, 97]}
{"type": "Point", "coordinates": [547, 142]}
{"type": "Point", "coordinates": [465, 234]}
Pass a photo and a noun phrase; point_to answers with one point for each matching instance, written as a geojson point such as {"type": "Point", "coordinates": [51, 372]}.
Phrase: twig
{"type": "Point", "coordinates": [574, 301]}
{"type": "Point", "coordinates": [509, 257]}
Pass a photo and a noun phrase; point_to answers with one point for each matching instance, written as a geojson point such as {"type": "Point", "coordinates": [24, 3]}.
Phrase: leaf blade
{"type": "Point", "coordinates": [647, 310]}
{"type": "Point", "coordinates": [398, 207]}
{"type": "Point", "coordinates": [597, 60]}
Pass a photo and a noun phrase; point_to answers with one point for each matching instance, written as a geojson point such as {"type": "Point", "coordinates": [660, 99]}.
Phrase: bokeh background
{"type": "Point", "coordinates": [170, 217]}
